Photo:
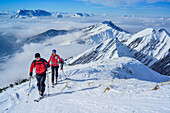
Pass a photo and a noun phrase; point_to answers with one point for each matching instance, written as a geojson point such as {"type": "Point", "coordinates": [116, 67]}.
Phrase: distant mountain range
{"type": "Point", "coordinates": [6, 12]}
{"type": "Point", "coordinates": [24, 13]}
{"type": "Point", "coordinates": [30, 13]}
{"type": "Point", "coordinates": [37, 13]}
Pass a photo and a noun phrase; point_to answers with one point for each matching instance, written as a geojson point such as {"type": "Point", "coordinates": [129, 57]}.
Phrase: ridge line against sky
{"type": "Point", "coordinates": [112, 7]}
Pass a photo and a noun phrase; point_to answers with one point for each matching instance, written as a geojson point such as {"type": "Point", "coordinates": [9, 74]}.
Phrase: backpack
{"type": "Point", "coordinates": [52, 58]}
{"type": "Point", "coordinates": [42, 62]}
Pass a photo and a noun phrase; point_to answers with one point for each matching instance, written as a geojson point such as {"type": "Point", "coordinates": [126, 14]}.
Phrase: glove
{"type": "Point", "coordinates": [47, 65]}
{"type": "Point", "coordinates": [30, 74]}
{"type": "Point", "coordinates": [62, 62]}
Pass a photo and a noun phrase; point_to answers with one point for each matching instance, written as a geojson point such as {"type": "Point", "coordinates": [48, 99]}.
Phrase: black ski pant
{"type": "Point", "coordinates": [54, 69]}
{"type": "Point", "coordinates": [41, 82]}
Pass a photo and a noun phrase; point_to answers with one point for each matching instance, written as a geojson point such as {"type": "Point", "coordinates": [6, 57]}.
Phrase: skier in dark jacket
{"type": "Point", "coordinates": [41, 66]}
{"type": "Point", "coordinates": [54, 59]}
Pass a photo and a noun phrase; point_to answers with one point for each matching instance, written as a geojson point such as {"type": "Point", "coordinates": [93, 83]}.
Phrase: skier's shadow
{"type": "Point", "coordinates": [71, 92]}
{"type": "Point", "coordinates": [76, 80]}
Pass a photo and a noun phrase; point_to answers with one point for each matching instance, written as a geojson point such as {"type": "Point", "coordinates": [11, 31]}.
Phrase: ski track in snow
{"type": "Point", "coordinates": [85, 92]}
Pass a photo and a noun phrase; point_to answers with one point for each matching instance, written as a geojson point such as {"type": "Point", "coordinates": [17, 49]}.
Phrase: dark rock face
{"type": "Point", "coordinates": [45, 35]}
{"type": "Point", "coordinates": [163, 65]}
{"type": "Point", "coordinates": [82, 15]}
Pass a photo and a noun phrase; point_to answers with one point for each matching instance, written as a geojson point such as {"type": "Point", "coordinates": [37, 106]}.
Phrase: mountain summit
{"type": "Point", "coordinates": [113, 26]}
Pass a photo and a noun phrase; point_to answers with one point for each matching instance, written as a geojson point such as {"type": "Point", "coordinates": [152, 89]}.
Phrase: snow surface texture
{"type": "Point", "coordinates": [23, 14]}
{"type": "Point", "coordinates": [94, 88]}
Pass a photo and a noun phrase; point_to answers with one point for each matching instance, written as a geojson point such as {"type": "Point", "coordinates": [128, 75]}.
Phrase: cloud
{"type": "Point", "coordinates": [117, 3]}
{"type": "Point", "coordinates": [155, 1]}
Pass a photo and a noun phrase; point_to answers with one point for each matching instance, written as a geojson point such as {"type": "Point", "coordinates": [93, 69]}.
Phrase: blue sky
{"type": "Point", "coordinates": [113, 7]}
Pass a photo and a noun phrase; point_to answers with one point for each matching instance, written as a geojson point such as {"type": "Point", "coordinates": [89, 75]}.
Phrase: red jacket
{"type": "Point", "coordinates": [40, 67]}
{"type": "Point", "coordinates": [54, 60]}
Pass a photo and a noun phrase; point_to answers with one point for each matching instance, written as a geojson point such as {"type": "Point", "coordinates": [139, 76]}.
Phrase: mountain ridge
{"type": "Point", "coordinates": [148, 46]}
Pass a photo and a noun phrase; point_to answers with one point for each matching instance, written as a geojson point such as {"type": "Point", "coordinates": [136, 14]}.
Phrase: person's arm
{"type": "Point", "coordinates": [59, 58]}
{"type": "Point", "coordinates": [49, 60]}
{"type": "Point", "coordinates": [32, 67]}
{"type": "Point", "coordinates": [47, 64]}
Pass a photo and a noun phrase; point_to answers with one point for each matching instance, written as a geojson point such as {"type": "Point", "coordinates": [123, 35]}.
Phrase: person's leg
{"type": "Point", "coordinates": [56, 70]}
{"type": "Point", "coordinates": [42, 84]}
{"type": "Point", "coordinates": [61, 67]}
{"type": "Point", "coordinates": [38, 81]}
{"type": "Point", "coordinates": [52, 68]}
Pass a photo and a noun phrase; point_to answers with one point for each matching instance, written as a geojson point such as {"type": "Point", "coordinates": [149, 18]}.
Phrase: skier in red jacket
{"type": "Point", "coordinates": [54, 58]}
{"type": "Point", "coordinates": [41, 66]}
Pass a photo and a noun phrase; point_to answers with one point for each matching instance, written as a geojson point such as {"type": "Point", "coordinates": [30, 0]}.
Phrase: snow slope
{"type": "Point", "coordinates": [154, 43]}
{"type": "Point", "coordinates": [109, 49]}
{"type": "Point", "coordinates": [95, 88]}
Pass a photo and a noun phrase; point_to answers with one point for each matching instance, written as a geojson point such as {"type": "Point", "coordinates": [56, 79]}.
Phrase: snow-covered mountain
{"type": "Point", "coordinates": [109, 49]}
{"type": "Point", "coordinates": [6, 12]}
{"type": "Point", "coordinates": [154, 43]}
{"type": "Point", "coordinates": [30, 13]}
{"type": "Point", "coordinates": [163, 65]}
{"type": "Point", "coordinates": [2, 13]}
{"type": "Point", "coordinates": [62, 15]}
{"type": "Point", "coordinates": [98, 33]}
{"type": "Point", "coordinates": [147, 46]}
{"type": "Point", "coordinates": [91, 35]}
{"type": "Point", "coordinates": [81, 15]}
{"type": "Point", "coordinates": [46, 35]}
{"type": "Point", "coordinates": [152, 46]}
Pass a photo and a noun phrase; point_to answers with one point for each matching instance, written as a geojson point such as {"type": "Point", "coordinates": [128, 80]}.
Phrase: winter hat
{"type": "Point", "coordinates": [37, 55]}
{"type": "Point", "coordinates": [54, 50]}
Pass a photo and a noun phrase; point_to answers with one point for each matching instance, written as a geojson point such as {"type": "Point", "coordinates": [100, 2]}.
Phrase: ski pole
{"type": "Point", "coordinates": [64, 75]}
{"type": "Point", "coordinates": [48, 84]}
{"type": "Point", "coordinates": [28, 89]}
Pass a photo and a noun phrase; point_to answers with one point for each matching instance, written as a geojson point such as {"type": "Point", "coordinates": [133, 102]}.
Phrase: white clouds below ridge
{"type": "Point", "coordinates": [117, 3]}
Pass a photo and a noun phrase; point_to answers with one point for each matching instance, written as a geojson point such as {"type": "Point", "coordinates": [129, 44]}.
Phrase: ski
{"type": "Point", "coordinates": [40, 98]}
{"type": "Point", "coordinates": [37, 100]}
